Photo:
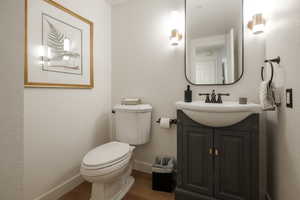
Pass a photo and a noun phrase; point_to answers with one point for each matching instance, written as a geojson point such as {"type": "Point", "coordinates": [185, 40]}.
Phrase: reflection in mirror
{"type": "Point", "coordinates": [214, 41]}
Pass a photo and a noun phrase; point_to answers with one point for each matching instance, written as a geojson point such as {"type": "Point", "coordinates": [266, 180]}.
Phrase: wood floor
{"type": "Point", "coordinates": [141, 190]}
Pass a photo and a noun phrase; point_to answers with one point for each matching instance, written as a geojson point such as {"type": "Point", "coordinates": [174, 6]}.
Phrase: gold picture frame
{"type": "Point", "coordinates": [30, 84]}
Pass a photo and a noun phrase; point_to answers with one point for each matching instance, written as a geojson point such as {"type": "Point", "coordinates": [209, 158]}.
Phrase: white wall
{"type": "Point", "coordinates": [11, 95]}
{"type": "Point", "coordinates": [283, 39]}
{"type": "Point", "coordinates": [145, 65]}
{"type": "Point", "coordinates": [62, 125]}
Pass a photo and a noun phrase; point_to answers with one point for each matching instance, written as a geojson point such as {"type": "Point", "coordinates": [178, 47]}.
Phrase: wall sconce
{"type": "Point", "coordinates": [257, 24]}
{"type": "Point", "coordinates": [176, 35]}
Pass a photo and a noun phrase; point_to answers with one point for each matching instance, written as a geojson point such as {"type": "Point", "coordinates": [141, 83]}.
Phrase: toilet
{"type": "Point", "coordinates": [108, 167]}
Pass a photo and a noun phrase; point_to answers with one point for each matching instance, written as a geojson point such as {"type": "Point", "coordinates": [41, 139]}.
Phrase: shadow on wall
{"type": "Point", "coordinates": [102, 123]}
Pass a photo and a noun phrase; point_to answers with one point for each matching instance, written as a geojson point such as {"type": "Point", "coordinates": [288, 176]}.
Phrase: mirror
{"type": "Point", "coordinates": [214, 42]}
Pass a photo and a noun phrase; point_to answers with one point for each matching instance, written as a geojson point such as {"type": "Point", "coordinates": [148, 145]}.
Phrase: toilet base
{"type": "Point", "coordinates": [125, 189]}
{"type": "Point", "coordinates": [99, 188]}
{"type": "Point", "coordinates": [112, 191]}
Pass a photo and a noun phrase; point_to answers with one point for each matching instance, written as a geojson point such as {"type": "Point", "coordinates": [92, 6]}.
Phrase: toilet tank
{"type": "Point", "coordinates": [133, 123]}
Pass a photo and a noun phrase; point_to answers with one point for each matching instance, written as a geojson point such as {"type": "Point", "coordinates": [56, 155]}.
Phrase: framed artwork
{"type": "Point", "coordinates": [58, 46]}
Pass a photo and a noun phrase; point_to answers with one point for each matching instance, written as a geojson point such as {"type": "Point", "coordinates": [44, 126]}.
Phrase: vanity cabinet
{"type": "Point", "coordinates": [217, 163]}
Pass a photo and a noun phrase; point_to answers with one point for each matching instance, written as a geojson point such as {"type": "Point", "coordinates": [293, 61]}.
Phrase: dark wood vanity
{"type": "Point", "coordinates": [217, 163]}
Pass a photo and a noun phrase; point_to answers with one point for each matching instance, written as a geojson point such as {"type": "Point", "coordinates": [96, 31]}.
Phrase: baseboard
{"type": "Point", "coordinates": [268, 197]}
{"type": "Point", "coordinates": [58, 191]}
{"type": "Point", "coordinates": [142, 166]}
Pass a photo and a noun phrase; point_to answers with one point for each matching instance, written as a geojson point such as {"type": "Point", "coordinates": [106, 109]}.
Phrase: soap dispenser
{"type": "Point", "coordinates": [188, 94]}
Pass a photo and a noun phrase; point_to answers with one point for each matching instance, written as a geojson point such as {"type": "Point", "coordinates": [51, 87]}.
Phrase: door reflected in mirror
{"type": "Point", "coordinates": [214, 41]}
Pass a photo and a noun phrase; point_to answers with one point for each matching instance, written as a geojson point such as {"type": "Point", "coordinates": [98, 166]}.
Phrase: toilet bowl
{"type": "Point", "coordinates": [108, 167]}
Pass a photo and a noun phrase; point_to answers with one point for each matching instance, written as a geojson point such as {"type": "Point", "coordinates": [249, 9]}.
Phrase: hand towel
{"type": "Point", "coordinates": [266, 95]}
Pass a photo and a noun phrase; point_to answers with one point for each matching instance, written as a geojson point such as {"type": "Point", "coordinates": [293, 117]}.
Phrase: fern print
{"type": "Point", "coordinates": [60, 60]}
{"type": "Point", "coordinates": [55, 38]}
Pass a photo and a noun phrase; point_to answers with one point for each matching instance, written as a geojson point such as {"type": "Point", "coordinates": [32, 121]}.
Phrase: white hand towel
{"type": "Point", "coordinates": [266, 95]}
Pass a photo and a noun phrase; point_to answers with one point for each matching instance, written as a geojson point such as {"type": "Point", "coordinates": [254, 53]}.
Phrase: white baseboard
{"type": "Point", "coordinates": [58, 191]}
{"type": "Point", "coordinates": [142, 166]}
{"type": "Point", "coordinates": [67, 186]}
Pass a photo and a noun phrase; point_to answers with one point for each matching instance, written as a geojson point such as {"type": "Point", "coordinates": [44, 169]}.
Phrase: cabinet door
{"type": "Point", "coordinates": [198, 160]}
{"type": "Point", "coordinates": [232, 165]}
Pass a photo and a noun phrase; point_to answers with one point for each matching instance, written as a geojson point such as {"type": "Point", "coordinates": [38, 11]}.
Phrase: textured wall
{"type": "Point", "coordinates": [62, 125]}
{"type": "Point", "coordinates": [283, 39]}
{"type": "Point", "coordinates": [11, 95]}
{"type": "Point", "coordinates": [145, 65]}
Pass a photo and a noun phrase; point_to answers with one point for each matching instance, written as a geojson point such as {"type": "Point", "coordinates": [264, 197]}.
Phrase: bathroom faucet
{"type": "Point", "coordinates": [212, 98]}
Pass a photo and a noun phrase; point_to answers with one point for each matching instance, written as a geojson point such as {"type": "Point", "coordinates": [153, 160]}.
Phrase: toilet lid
{"type": "Point", "coordinates": [106, 153]}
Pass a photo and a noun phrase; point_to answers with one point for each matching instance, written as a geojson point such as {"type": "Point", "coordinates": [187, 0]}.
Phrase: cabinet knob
{"type": "Point", "coordinates": [216, 152]}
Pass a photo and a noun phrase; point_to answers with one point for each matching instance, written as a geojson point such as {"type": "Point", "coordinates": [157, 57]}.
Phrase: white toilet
{"type": "Point", "coordinates": [109, 166]}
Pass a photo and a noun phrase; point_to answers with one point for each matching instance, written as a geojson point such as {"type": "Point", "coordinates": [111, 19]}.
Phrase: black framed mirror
{"type": "Point", "coordinates": [214, 47]}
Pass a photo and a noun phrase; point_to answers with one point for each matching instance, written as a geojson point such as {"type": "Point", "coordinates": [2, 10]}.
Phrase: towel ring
{"type": "Point", "coordinates": [272, 72]}
{"type": "Point", "coordinates": [271, 61]}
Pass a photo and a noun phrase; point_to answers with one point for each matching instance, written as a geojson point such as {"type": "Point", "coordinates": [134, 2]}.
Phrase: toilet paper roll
{"type": "Point", "coordinates": [165, 123]}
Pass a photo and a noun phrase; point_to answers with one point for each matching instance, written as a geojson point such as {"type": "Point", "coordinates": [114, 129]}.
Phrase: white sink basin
{"type": "Point", "coordinates": [218, 115]}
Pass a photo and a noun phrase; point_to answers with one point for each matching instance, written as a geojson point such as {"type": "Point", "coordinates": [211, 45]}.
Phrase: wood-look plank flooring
{"type": "Point", "coordinates": [141, 190]}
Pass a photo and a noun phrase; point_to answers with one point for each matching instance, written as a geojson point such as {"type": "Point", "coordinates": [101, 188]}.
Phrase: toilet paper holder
{"type": "Point", "coordinates": [172, 121]}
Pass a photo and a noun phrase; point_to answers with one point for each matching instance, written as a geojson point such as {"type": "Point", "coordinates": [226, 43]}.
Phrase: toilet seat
{"type": "Point", "coordinates": [106, 159]}
{"type": "Point", "coordinates": [106, 154]}
{"type": "Point", "coordinates": [106, 170]}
